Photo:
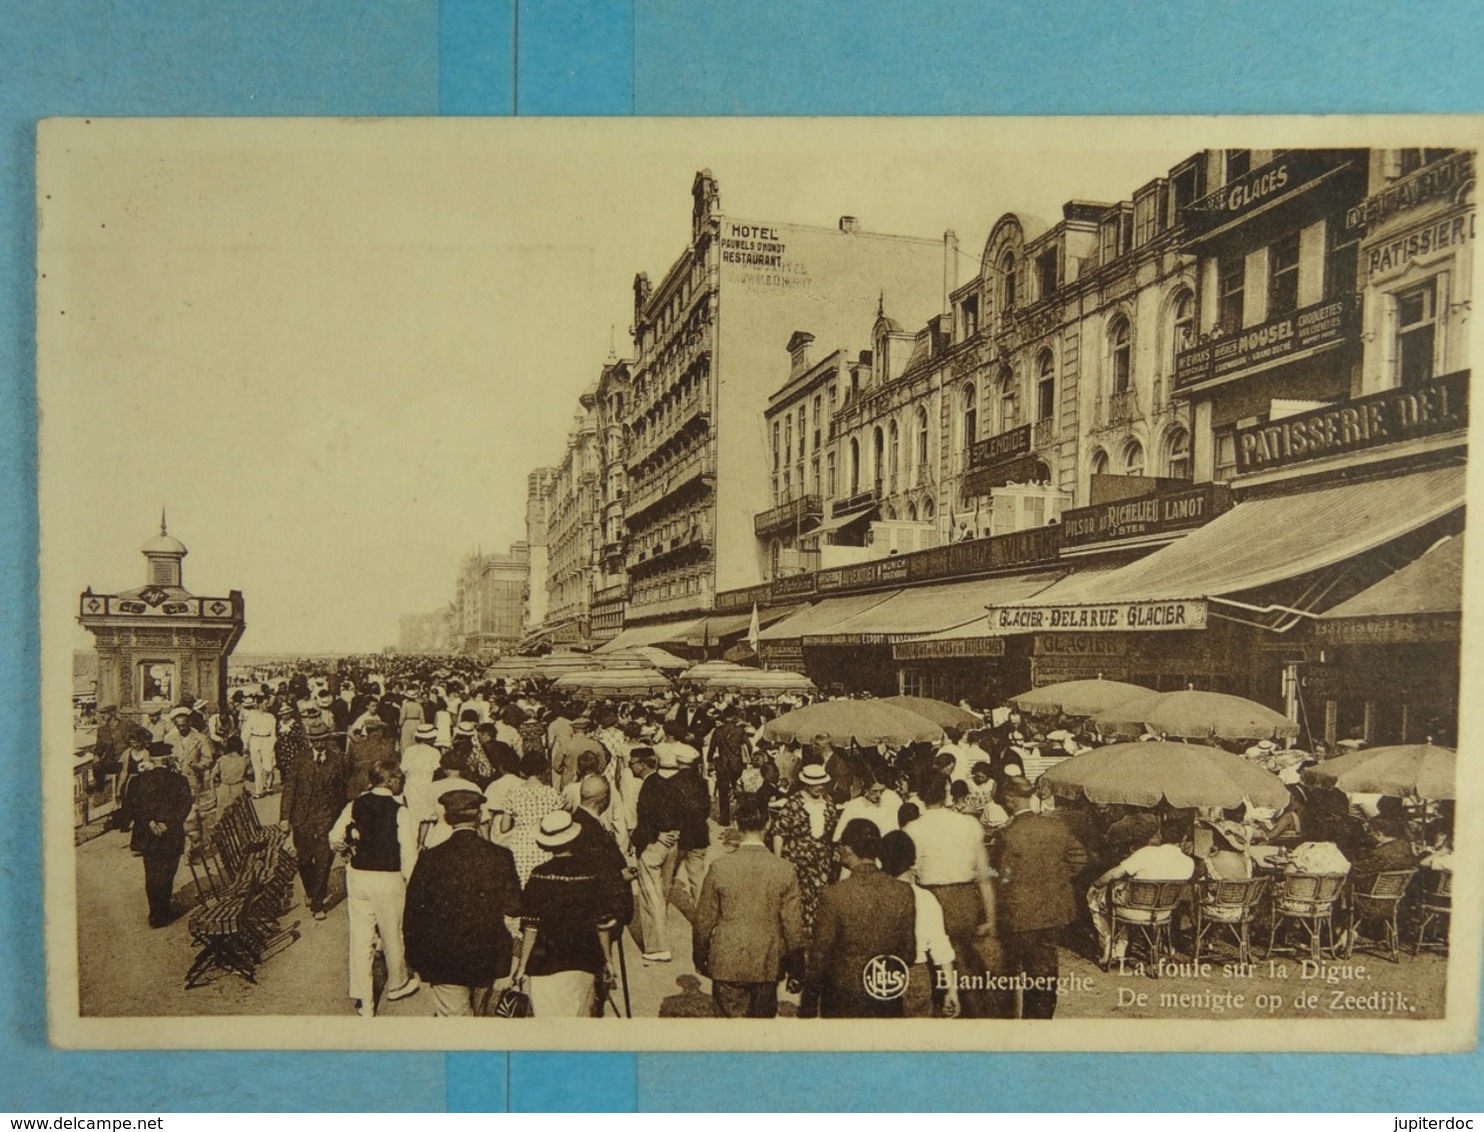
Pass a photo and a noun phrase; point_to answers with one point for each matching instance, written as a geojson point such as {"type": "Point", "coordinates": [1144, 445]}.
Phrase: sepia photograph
{"type": "Point", "coordinates": [958, 584]}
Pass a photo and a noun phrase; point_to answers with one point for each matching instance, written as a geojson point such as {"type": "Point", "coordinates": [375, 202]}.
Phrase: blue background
{"type": "Point", "coordinates": [665, 57]}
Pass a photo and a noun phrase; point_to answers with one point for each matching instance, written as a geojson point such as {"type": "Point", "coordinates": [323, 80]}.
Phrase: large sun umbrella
{"type": "Point", "coordinates": [757, 680]}
{"type": "Point", "coordinates": [1183, 774]}
{"type": "Point", "coordinates": [867, 723]}
{"type": "Point", "coordinates": [940, 712]}
{"type": "Point", "coordinates": [1078, 697]}
{"type": "Point", "coordinates": [703, 672]}
{"type": "Point", "coordinates": [1197, 715]}
{"type": "Point", "coordinates": [1417, 770]}
{"type": "Point", "coordinates": [622, 681]}
{"type": "Point", "coordinates": [645, 656]}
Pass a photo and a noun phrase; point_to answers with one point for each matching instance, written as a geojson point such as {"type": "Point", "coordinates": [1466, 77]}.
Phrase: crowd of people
{"type": "Point", "coordinates": [499, 836]}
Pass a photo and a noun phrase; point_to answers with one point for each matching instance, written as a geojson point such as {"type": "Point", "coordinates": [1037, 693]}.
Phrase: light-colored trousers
{"type": "Point", "coordinates": [657, 866]}
{"type": "Point", "coordinates": [375, 901]}
{"type": "Point", "coordinates": [260, 751]}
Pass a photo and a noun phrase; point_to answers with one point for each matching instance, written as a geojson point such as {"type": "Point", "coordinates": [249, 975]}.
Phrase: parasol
{"type": "Point", "coordinates": [1197, 715]}
{"type": "Point", "coordinates": [1183, 774]}
{"type": "Point", "coordinates": [940, 712]}
{"type": "Point", "coordinates": [757, 680]}
{"type": "Point", "coordinates": [707, 669]}
{"type": "Point", "coordinates": [866, 723]}
{"type": "Point", "coordinates": [1417, 770]}
{"type": "Point", "coordinates": [1078, 697]}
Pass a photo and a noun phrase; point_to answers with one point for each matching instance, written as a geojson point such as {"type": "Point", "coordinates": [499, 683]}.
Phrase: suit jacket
{"type": "Point", "coordinates": [1036, 856]}
{"type": "Point", "coordinates": [313, 792]}
{"type": "Point", "coordinates": [655, 812]}
{"type": "Point", "coordinates": [457, 899]}
{"type": "Point", "coordinates": [159, 795]}
{"type": "Point", "coordinates": [868, 914]}
{"type": "Point", "coordinates": [749, 922]}
{"type": "Point", "coordinates": [608, 862]}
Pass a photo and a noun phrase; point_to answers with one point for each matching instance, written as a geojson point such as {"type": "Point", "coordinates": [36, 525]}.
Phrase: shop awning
{"type": "Point", "coordinates": [1255, 544]}
{"type": "Point", "coordinates": [1423, 601]}
{"type": "Point", "coordinates": [928, 609]}
{"type": "Point", "coordinates": [668, 632]}
{"type": "Point", "coordinates": [722, 625]}
{"type": "Point", "coordinates": [819, 617]}
{"type": "Point", "coordinates": [839, 522]}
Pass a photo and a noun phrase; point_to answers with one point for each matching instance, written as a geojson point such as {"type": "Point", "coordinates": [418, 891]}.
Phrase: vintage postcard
{"type": "Point", "coordinates": [796, 584]}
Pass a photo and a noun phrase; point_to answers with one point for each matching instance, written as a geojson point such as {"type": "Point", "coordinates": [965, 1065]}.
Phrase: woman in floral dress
{"type": "Point", "coordinates": [525, 805]}
{"type": "Point", "coordinates": [802, 829]}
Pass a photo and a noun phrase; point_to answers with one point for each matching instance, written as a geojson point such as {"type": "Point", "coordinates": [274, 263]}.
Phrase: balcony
{"type": "Point", "coordinates": [1285, 338]}
{"type": "Point", "coordinates": [1121, 408]}
{"type": "Point", "coordinates": [1000, 448]}
{"type": "Point", "coordinates": [662, 552]}
{"type": "Point", "coordinates": [695, 466]}
{"type": "Point", "coordinates": [1044, 434]}
{"type": "Point", "coordinates": [792, 514]}
{"type": "Point", "coordinates": [857, 502]}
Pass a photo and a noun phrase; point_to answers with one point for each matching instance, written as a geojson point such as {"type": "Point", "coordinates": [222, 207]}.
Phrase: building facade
{"type": "Point", "coordinates": [705, 337]}
{"type": "Point", "coordinates": [538, 506]}
{"type": "Point", "coordinates": [611, 585]}
{"type": "Point", "coordinates": [573, 524]}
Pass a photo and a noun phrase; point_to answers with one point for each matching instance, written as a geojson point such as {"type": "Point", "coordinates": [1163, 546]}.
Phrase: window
{"type": "Point", "coordinates": [1182, 326]}
{"type": "Point", "coordinates": [1341, 262]}
{"type": "Point", "coordinates": [1045, 387]}
{"type": "Point", "coordinates": [1099, 462]}
{"type": "Point", "coordinates": [788, 439]}
{"type": "Point", "coordinates": [878, 458]}
{"type": "Point", "coordinates": [156, 680]}
{"type": "Point", "coordinates": [818, 405]}
{"type": "Point", "coordinates": [1416, 333]}
{"type": "Point", "coordinates": [1114, 235]}
{"type": "Point", "coordinates": [855, 466]}
{"type": "Point", "coordinates": [1410, 160]}
{"type": "Point", "coordinates": [1149, 210]}
{"type": "Point", "coordinates": [832, 399]}
{"type": "Point", "coordinates": [1007, 399]}
{"type": "Point", "coordinates": [1046, 273]}
{"type": "Point", "coordinates": [893, 455]}
{"type": "Point", "coordinates": [1226, 457]}
{"type": "Point", "coordinates": [1185, 190]}
{"type": "Point", "coordinates": [775, 447]}
{"type": "Point", "coordinates": [788, 484]}
{"type": "Point", "coordinates": [1231, 281]}
{"type": "Point", "coordinates": [1177, 455]}
{"type": "Point", "coordinates": [969, 317]}
{"type": "Point", "coordinates": [971, 416]}
{"type": "Point", "coordinates": [1238, 163]}
{"type": "Point", "coordinates": [1121, 355]}
{"type": "Point", "coordinates": [1283, 272]}
{"type": "Point", "coordinates": [1133, 459]}
{"type": "Point", "coordinates": [1007, 279]}
{"type": "Point", "coordinates": [814, 476]}
{"type": "Point", "coordinates": [829, 469]}
{"type": "Point", "coordinates": [803, 428]}
{"type": "Point", "coordinates": [922, 444]}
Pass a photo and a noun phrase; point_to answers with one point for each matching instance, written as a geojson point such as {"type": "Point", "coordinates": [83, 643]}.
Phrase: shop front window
{"type": "Point", "coordinates": [1416, 333]}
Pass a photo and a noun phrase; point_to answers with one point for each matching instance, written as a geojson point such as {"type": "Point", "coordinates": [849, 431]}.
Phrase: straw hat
{"type": "Point", "coordinates": [557, 830]}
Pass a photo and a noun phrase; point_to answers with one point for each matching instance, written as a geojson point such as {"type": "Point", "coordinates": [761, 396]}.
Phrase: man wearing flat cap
{"type": "Point", "coordinates": [458, 898]}
{"type": "Point", "coordinates": [159, 803]}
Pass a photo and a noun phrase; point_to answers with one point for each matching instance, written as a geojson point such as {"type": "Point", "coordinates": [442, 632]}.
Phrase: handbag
{"type": "Point", "coordinates": [512, 1003]}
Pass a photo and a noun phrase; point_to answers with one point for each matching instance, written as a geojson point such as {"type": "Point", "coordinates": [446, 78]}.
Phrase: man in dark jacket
{"type": "Point", "coordinates": [655, 840]}
{"type": "Point", "coordinates": [692, 802]}
{"type": "Point", "coordinates": [864, 934]}
{"type": "Point", "coordinates": [1037, 858]}
{"type": "Point", "coordinates": [457, 900]}
{"type": "Point", "coordinates": [313, 796]}
{"type": "Point", "coordinates": [728, 755]}
{"type": "Point", "coordinates": [159, 802]}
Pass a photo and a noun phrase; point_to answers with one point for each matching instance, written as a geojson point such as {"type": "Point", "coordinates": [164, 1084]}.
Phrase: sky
{"type": "Point", "coordinates": [333, 349]}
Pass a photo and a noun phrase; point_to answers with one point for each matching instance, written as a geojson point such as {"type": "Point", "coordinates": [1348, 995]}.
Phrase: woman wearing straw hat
{"type": "Point", "coordinates": [563, 951]}
{"type": "Point", "coordinates": [804, 828]}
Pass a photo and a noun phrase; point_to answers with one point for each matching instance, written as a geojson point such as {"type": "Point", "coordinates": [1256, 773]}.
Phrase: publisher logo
{"type": "Point", "coordinates": [885, 978]}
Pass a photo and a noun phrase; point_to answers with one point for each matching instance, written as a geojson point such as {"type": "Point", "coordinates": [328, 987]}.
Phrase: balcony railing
{"type": "Point", "coordinates": [1121, 408]}
{"type": "Point", "coordinates": [1044, 433]}
{"type": "Point", "coordinates": [794, 512]}
{"type": "Point", "coordinates": [857, 502]}
{"type": "Point", "coordinates": [694, 466]}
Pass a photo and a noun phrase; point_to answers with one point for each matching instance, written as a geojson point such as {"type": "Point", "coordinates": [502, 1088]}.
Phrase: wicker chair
{"type": "Point", "coordinates": [1146, 909]}
{"type": "Point", "coordinates": [1377, 902]}
{"type": "Point", "coordinates": [1308, 901]}
{"type": "Point", "coordinates": [1228, 905]}
{"type": "Point", "coordinates": [1434, 906]}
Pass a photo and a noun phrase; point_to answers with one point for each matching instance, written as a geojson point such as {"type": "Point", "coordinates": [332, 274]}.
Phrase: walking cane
{"type": "Point", "coordinates": [623, 974]}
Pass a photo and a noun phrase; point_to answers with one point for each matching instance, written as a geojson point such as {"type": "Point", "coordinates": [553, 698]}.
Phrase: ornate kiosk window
{"type": "Point", "coordinates": [157, 681]}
